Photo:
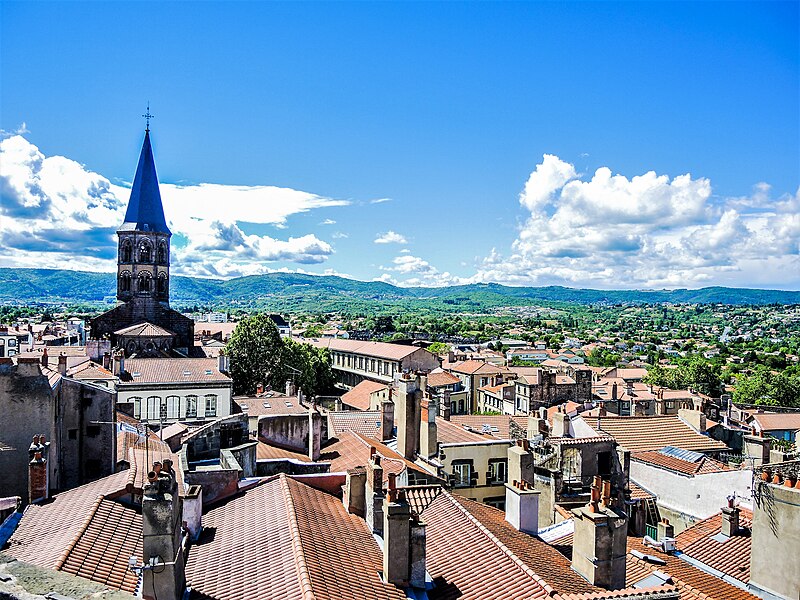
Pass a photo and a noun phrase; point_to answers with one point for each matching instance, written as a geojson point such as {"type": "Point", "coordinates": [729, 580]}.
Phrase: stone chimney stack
{"type": "Point", "coordinates": [536, 425]}
{"type": "Point", "coordinates": [38, 472]}
{"type": "Point", "coordinates": [403, 541]}
{"type": "Point", "coordinates": [445, 408]}
{"type": "Point", "coordinates": [28, 366]}
{"type": "Point", "coordinates": [665, 530]}
{"type": "Point", "coordinates": [62, 364]}
{"type": "Point", "coordinates": [119, 362]}
{"type": "Point", "coordinates": [560, 424]}
{"type": "Point", "coordinates": [730, 519]}
{"type": "Point", "coordinates": [520, 462]}
{"type": "Point", "coordinates": [694, 418]}
{"type": "Point", "coordinates": [428, 441]}
{"type": "Point", "coordinates": [387, 418]}
{"type": "Point", "coordinates": [44, 356]}
{"type": "Point", "coordinates": [522, 506]}
{"type": "Point", "coordinates": [193, 511]}
{"type": "Point", "coordinates": [354, 491]}
{"type": "Point", "coordinates": [757, 447]}
{"type": "Point", "coordinates": [161, 536]}
{"type": "Point", "coordinates": [314, 433]}
{"type": "Point", "coordinates": [107, 361]}
{"type": "Point", "coordinates": [600, 538]}
{"type": "Point", "coordinates": [290, 388]}
{"type": "Point", "coordinates": [373, 496]}
{"type": "Point", "coordinates": [408, 411]}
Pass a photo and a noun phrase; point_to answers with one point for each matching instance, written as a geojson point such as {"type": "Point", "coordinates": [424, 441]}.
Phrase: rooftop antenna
{"type": "Point", "coordinates": [148, 116]}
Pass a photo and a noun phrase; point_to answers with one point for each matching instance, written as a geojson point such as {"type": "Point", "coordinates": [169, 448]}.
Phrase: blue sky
{"type": "Point", "coordinates": [510, 142]}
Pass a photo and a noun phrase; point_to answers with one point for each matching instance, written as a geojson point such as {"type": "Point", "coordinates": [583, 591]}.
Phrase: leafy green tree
{"type": "Point", "coordinates": [751, 390]}
{"type": "Point", "coordinates": [309, 367]}
{"type": "Point", "coordinates": [439, 348]}
{"type": "Point", "coordinates": [256, 354]}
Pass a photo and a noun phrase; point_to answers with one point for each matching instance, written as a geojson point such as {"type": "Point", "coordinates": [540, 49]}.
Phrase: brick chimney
{"type": "Point", "coordinates": [354, 491]}
{"type": "Point", "coordinates": [403, 541]}
{"type": "Point", "coordinates": [599, 541]}
{"type": "Point", "coordinates": [161, 536]}
{"type": "Point", "coordinates": [62, 364]}
{"type": "Point", "coordinates": [730, 519]}
{"type": "Point", "coordinates": [373, 496]}
{"type": "Point", "coordinates": [44, 356]}
{"type": "Point", "coordinates": [38, 473]}
{"type": "Point", "coordinates": [522, 506]}
{"type": "Point", "coordinates": [387, 418]}
{"type": "Point", "coordinates": [259, 389]}
{"type": "Point", "coordinates": [428, 441]}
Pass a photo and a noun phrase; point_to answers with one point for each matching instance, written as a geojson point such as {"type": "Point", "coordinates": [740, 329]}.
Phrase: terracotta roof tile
{"type": "Point", "coordinates": [359, 396]}
{"type": "Point", "coordinates": [653, 433]}
{"type": "Point", "coordinates": [270, 403]}
{"type": "Point", "coordinates": [778, 421]}
{"type": "Point", "coordinates": [728, 555]}
{"type": "Point", "coordinates": [376, 349]}
{"type": "Point", "coordinates": [499, 425]}
{"type": "Point", "coordinates": [703, 465]}
{"type": "Point", "coordinates": [267, 451]}
{"type": "Point", "coordinates": [440, 378]}
{"type": "Point", "coordinates": [173, 370]}
{"type": "Point", "coordinates": [451, 432]}
{"type": "Point", "coordinates": [367, 422]}
{"type": "Point", "coordinates": [471, 367]}
{"type": "Point", "coordinates": [638, 492]}
{"type": "Point", "coordinates": [145, 329]}
{"type": "Point", "coordinates": [46, 529]}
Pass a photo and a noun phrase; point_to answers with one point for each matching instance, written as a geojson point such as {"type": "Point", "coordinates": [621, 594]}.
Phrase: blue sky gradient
{"type": "Point", "coordinates": [443, 108]}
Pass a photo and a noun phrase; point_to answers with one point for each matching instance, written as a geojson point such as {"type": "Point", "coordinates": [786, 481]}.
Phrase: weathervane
{"type": "Point", "coordinates": [148, 116]}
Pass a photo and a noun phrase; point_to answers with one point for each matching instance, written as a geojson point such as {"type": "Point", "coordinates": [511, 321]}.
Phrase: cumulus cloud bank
{"type": "Point", "coordinates": [647, 231]}
{"type": "Point", "coordinates": [390, 237]}
{"type": "Point", "coordinates": [56, 213]}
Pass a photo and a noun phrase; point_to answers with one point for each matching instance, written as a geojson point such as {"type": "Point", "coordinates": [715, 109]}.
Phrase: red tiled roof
{"type": "Point", "coordinates": [638, 492]}
{"type": "Point", "coordinates": [173, 370]}
{"type": "Point", "coordinates": [440, 378]}
{"type": "Point", "coordinates": [367, 422]}
{"type": "Point", "coordinates": [450, 432]}
{"type": "Point", "coordinates": [141, 459]}
{"type": "Point", "coordinates": [471, 367]}
{"type": "Point", "coordinates": [653, 433]}
{"type": "Point", "coordinates": [267, 451]}
{"type": "Point", "coordinates": [501, 422]}
{"type": "Point", "coordinates": [778, 421]}
{"type": "Point", "coordinates": [46, 529]}
{"type": "Point", "coordinates": [300, 543]}
{"type": "Point", "coordinates": [110, 534]}
{"type": "Point", "coordinates": [359, 396]}
{"type": "Point", "coordinates": [145, 329]}
{"type": "Point", "coordinates": [692, 583]}
{"type": "Point", "coordinates": [270, 403]}
{"type": "Point", "coordinates": [730, 556]}
{"type": "Point", "coordinates": [704, 465]}
{"type": "Point", "coordinates": [352, 450]}
{"type": "Point", "coordinates": [377, 349]}
{"type": "Point", "coordinates": [90, 370]}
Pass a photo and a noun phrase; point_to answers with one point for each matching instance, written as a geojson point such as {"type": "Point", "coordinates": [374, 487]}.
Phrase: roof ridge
{"type": "Point", "coordinates": [78, 534]}
{"type": "Point", "coordinates": [503, 548]}
{"type": "Point", "coordinates": [297, 543]}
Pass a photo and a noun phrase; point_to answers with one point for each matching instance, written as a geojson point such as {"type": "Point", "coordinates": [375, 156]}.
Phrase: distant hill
{"type": "Point", "coordinates": [293, 291]}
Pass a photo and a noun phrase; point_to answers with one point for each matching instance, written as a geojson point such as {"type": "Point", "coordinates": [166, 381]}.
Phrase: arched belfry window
{"type": "Point", "coordinates": [162, 253]}
{"type": "Point", "coordinates": [145, 251]}
{"type": "Point", "coordinates": [125, 252]}
{"type": "Point", "coordinates": [144, 282]}
{"type": "Point", "coordinates": [162, 284]}
{"type": "Point", "coordinates": [125, 282]}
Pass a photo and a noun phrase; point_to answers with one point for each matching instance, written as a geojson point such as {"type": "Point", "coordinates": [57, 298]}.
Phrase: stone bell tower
{"type": "Point", "coordinates": [143, 257]}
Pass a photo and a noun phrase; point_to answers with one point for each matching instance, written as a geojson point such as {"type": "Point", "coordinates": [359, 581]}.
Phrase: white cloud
{"type": "Point", "coordinates": [328, 222]}
{"type": "Point", "coordinates": [414, 271]}
{"type": "Point", "coordinates": [380, 200]}
{"type": "Point", "coordinates": [390, 237]}
{"type": "Point", "coordinates": [56, 212]}
{"type": "Point", "coordinates": [647, 231]}
{"type": "Point", "coordinates": [339, 235]}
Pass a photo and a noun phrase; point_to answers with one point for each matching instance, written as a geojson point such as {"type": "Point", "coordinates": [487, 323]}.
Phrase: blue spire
{"type": "Point", "coordinates": [145, 212]}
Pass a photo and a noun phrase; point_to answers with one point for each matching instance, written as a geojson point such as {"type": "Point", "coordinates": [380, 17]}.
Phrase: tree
{"type": "Point", "coordinates": [309, 367]}
{"type": "Point", "coordinates": [256, 354]}
{"type": "Point", "coordinates": [439, 348]}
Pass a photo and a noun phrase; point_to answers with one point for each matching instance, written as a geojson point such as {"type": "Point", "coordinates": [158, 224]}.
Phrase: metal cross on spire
{"type": "Point", "coordinates": [148, 116]}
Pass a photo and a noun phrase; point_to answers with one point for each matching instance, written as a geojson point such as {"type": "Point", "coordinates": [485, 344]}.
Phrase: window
{"type": "Point", "coordinates": [145, 252]}
{"type": "Point", "coordinates": [73, 434]}
{"type": "Point", "coordinates": [162, 284]}
{"type": "Point", "coordinates": [92, 430]}
{"type": "Point", "coordinates": [162, 411]}
{"type": "Point", "coordinates": [498, 471]}
{"type": "Point", "coordinates": [153, 408]}
{"type": "Point", "coordinates": [669, 404]}
{"type": "Point", "coordinates": [162, 253]}
{"type": "Point", "coordinates": [496, 502]}
{"type": "Point", "coordinates": [191, 407]}
{"type": "Point", "coordinates": [144, 282]}
{"type": "Point", "coordinates": [125, 282]}
{"type": "Point", "coordinates": [211, 405]}
{"type": "Point", "coordinates": [125, 252]}
{"type": "Point", "coordinates": [137, 407]}
{"type": "Point", "coordinates": [604, 463]}
{"type": "Point", "coordinates": [462, 473]}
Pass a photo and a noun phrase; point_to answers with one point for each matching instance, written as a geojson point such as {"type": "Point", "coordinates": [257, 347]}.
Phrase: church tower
{"type": "Point", "coordinates": [144, 238]}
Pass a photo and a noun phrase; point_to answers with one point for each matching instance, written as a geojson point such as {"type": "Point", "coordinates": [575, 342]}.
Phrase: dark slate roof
{"type": "Point", "coordinates": [145, 212]}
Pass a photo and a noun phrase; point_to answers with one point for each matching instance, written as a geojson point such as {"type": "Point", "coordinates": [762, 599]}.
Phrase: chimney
{"type": "Point", "coordinates": [407, 409]}
{"type": "Point", "coordinates": [665, 530]}
{"type": "Point", "coordinates": [161, 536]}
{"type": "Point", "coordinates": [451, 356]}
{"type": "Point", "coordinates": [614, 391]}
{"type": "Point", "coordinates": [314, 433]}
{"type": "Point", "coordinates": [757, 448]}
{"type": "Point", "coordinates": [106, 361]}
{"type": "Point", "coordinates": [387, 418]}
{"type": "Point", "coordinates": [373, 496]}
{"type": "Point", "coordinates": [354, 491]}
{"type": "Point", "coordinates": [445, 409]}
{"type": "Point", "coordinates": [599, 540]}
{"type": "Point", "coordinates": [522, 506]}
{"type": "Point", "coordinates": [119, 362]}
{"type": "Point", "coordinates": [289, 388]}
{"type": "Point", "coordinates": [536, 426]}
{"type": "Point", "coordinates": [560, 424]}
{"type": "Point", "coordinates": [38, 473]}
{"type": "Point", "coordinates": [193, 511]}
{"type": "Point", "coordinates": [28, 366]}
{"type": "Point", "coordinates": [403, 541]}
{"type": "Point", "coordinates": [520, 462]}
{"type": "Point", "coordinates": [259, 389]}
{"type": "Point", "coordinates": [428, 445]}
{"type": "Point", "coordinates": [44, 356]}
{"type": "Point", "coordinates": [694, 418]}
{"type": "Point", "coordinates": [62, 364]}
{"type": "Point", "coordinates": [730, 519]}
